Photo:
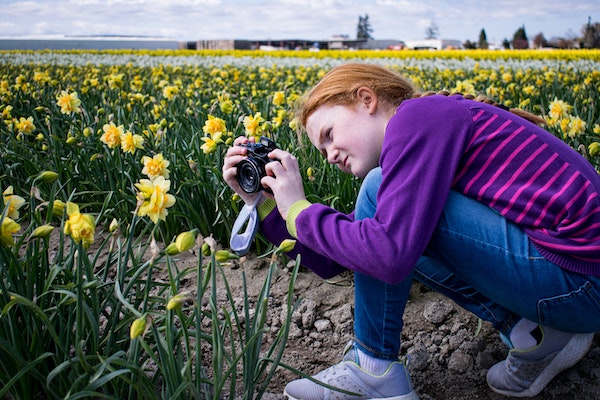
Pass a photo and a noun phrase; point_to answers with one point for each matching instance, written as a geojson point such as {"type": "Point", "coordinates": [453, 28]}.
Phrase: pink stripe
{"type": "Point", "coordinates": [577, 215]}
{"type": "Point", "coordinates": [479, 114]}
{"type": "Point", "coordinates": [571, 202]}
{"type": "Point", "coordinates": [554, 197]}
{"type": "Point", "coordinates": [504, 166]}
{"type": "Point", "coordinates": [565, 247]}
{"type": "Point", "coordinates": [518, 172]}
{"type": "Point", "coordinates": [475, 136]}
{"type": "Point", "coordinates": [541, 190]}
{"type": "Point", "coordinates": [494, 153]}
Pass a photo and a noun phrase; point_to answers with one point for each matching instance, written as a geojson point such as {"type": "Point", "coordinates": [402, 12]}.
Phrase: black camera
{"type": "Point", "coordinates": [252, 169]}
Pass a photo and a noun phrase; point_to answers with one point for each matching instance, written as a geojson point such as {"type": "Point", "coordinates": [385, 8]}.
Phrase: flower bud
{"type": "Point", "coordinates": [310, 172]}
{"type": "Point", "coordinates": [114, 226]}
{"type": "Point", "coordinates": [71, 140]}
{"type": "Point", "coordinates": [42, 231]}
{"type": "Point", "coordinates": [224, 255]}
{"type": "Point", "coordinates": [205, 249]}
{"type": "Point", "coordinates": [186, 240]}
{"type": "Point", "coordinates": [138, 327]}
{"type": "Point", "coordinates": [594, 149]}
{"type": "Point", "coordinates": [58, 208]}
{"type": "Point", "coordinates": [172, 249]}
{"type": "Point", "coordinates": [286, 245]}
{"type": "Point", "coordinates": [48, 176]}
{"type": "Point", "coordinates": [177, 300]}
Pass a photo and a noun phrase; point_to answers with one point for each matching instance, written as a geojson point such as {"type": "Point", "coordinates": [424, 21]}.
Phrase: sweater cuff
{"type": "Point", "coordinates": [265, 208]}
{"type": "Point", "coordinates": [293, 213]}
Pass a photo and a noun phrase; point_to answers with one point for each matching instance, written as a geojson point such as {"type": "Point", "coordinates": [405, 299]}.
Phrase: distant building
{"type": "Point", "coordinates": [108, 42]}
{"type": "Point", "coordinates": [433, 44]}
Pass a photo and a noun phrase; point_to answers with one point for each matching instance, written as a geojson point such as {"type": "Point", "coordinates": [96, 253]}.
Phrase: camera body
{"type": "Point", "coordinates": [252, 169]}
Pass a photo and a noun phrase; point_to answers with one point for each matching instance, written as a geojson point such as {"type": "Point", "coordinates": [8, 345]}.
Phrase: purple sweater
{"type": "Point", "coordinates": [435, 144]}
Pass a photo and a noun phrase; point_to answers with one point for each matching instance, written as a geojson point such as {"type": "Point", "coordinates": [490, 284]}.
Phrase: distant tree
{"type": "Point", "coordinates": [432, 31]}
{"type": "Point", "coordinates": [591, 35]}
{"type": "Point", "coordinates": [469, 45]}
{"type": "Point", "coordinates": [506, 44]}
{"type": "Point", "coordinates": [364, 30]}
{"type": "Point", "coordinates": [483, 43]}
{"type": "Point", "coordinates": [520, 39]}
{"type": "Point", "coordinates": [540, 41]}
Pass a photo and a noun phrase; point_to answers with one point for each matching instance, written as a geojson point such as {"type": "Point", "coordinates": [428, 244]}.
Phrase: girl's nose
{"type": "Point", "coordinates": [332, 156]}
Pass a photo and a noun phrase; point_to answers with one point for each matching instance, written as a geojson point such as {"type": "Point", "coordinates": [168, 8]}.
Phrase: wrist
{"type": "Point", "coordinates": [294, 211]}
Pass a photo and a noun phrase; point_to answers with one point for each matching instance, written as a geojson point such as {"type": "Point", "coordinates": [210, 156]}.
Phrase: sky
{"type": "Point", "coordinates": [190, 20]}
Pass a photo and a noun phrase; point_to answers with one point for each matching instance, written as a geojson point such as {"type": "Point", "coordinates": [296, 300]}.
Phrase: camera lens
{"type": "Point", "coordinates": [249, 173]}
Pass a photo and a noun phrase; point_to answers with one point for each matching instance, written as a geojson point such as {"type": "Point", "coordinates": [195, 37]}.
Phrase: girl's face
{"type": "Point", "coordinates": [350, 137]}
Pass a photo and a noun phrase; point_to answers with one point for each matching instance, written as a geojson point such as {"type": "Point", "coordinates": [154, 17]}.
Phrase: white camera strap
{"type": "Point", "coordinates": [240, 242]}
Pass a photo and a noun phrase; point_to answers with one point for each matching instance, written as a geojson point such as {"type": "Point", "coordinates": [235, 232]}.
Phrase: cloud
{"type": "Point", "coordinates": [292, 19]}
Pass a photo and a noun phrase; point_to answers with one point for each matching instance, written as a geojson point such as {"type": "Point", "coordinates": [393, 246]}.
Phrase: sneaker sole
{"type": "Point", "coordinates": [409, 396]}
{"type": "Point", "coordinates": [570, 355]}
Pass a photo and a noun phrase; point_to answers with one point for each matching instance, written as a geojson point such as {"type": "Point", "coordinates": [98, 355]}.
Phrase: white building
{"type": "Point", "coordinates": [433, 44]}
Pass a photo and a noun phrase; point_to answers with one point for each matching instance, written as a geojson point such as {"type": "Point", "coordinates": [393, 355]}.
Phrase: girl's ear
{"type": "Point", "coordinates": [367, 97]}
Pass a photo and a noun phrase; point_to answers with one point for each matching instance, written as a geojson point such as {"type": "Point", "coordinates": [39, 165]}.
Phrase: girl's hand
{"type": "Point", "coordinates": [234, 155]}
{"type": "Point", "coordinates": [284, 180]}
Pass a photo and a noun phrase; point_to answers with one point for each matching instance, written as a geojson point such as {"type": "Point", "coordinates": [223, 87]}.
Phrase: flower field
{"type": "Point", "coordinates": [110, 169]}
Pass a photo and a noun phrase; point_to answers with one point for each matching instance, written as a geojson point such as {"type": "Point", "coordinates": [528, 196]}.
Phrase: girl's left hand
{"type": "Point", "coordinates": [284, 180]}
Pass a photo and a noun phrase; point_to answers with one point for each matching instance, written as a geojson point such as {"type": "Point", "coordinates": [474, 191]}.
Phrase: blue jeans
{"type": "Point", "coordinates": [482, 262]}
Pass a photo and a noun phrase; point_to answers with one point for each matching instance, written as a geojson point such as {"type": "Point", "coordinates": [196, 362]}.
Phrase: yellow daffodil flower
{"type": "Point", "coordinates": [130, 142]}
{"type": "Point", "coordinates": [13, 202]}
{"type": "Point", "coordinates": [214, 125]}
{"type": "Point", "coordinates": [7, 228]}
{"type": "Point", "coordinates": [25, 125]}
{"type": "Point", "coordinates": [68, 102]}
{"type": "Point", "coordinates": [155, 198]}
{"type": "Point", "coordinates": [155, 166]}
{"type": "Point", "coordinates": [112, 135]}
{"type": "Point", "coordinates": [81, 227]}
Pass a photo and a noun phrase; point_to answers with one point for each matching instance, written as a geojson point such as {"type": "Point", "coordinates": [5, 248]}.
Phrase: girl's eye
{"type": "Point", "coordinates": [328, 133]}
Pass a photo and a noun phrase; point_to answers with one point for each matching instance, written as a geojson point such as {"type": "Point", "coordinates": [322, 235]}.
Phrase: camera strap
{"type": "Point", "coordinates": [240, 242]}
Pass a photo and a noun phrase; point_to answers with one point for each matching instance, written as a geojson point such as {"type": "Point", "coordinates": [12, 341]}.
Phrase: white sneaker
{"type": "Point", "coordinates": [348, 380]}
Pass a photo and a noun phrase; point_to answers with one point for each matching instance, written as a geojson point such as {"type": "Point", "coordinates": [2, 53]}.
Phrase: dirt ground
{"type": "Point", "coordinates": [450, 351]}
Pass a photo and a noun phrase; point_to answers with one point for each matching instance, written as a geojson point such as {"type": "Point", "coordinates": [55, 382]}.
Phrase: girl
{"type": "Point", "coordinates": [474, 200]}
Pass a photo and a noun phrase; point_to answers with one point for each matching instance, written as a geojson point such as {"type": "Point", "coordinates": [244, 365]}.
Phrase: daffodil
{"type": "Point", "coordinates": [211, 143]}
{"type": "Point", "coordinates": [25, 125]}
{"type": "Point", "coordinates": [81, 227]}
{"type": "Point", "coordinates": [214, 125]}
{"type": "Point", "coordinates": [278, 98]}
{"type": "Point", "coordinates": [169, 92]}
{"type": "Point", "coordinates": [155, 199]}
{"type": "Point", "coordinates": [155, 166]}
{"type": "Point", "coordinates": [7, 228]}
{"type": "Point", "coordinates": [576, 127]}
{"type": "Point", "coordinates": [13, 202]}
{"type": "Point", "coordinates": [130, 142]}
{"type": "Point", "coordinates": [253, 124]}
{"type": "Point", "coordinates": [559, 109]}
{"type": "Point", "coordinates": [68, 102]}
{"type": "Point", "coordinates": [111, 135]}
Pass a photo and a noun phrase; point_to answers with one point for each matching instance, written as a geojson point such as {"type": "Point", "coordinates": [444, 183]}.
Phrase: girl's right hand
{"type": "Point", "coordinates": [234, 155]}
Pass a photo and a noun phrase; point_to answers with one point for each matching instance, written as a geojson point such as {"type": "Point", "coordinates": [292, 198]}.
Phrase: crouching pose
{"type": "Point", "coordinates": [476, 201]}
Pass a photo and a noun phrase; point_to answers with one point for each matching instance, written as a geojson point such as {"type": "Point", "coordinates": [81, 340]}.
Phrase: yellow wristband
{"type": "Point", "coordinates": [293, 213]}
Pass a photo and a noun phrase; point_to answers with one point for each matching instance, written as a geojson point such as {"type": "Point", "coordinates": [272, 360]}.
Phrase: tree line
{"type": "Point", "coordinates": [589, 39]}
